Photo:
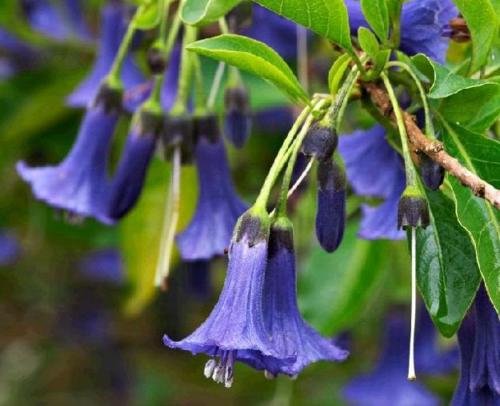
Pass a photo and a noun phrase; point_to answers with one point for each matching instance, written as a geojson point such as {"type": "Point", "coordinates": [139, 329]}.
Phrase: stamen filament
{"type": "Point", "coordinates": [171, 217]}
{"type": "Point", "coordinates": [411, 360]}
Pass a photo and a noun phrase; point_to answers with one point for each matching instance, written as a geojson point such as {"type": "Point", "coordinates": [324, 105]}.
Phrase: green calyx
{"type": "Point", "coordinates": [253, 225]}
{"type": "Point", "coordinates": [413, 191]}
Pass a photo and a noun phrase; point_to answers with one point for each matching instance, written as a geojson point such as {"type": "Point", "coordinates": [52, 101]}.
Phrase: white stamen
{"type": "Point", "coordinates": [218, 375]}
{"type": "Point", "coordinates": [216, 85]}
{"type": "Point", "coordinates": [269, 375]}
{"type": "Point", "coordinates": [411, 361]}
{"type": "Point", "coordinates": [171, 217]}
{"type": "Point", "coordinates": [209, 368]}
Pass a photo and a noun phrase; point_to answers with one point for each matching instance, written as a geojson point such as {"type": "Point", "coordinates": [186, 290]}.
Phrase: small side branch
{"type": "Point", "coordinates": [434, 149]}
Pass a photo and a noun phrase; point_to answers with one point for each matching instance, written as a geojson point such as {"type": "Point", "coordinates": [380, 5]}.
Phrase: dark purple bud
{"type": "Point", "coordinates": [432, 173]}
{"type": "Point", "coordinates": [110, 98]}
{"type": "Point", "coordinates": [237, 123]}
{"type": "Point", "coordinates": [320, 142]}
{"type": "Point", "coordinates": [128, 181]}
{"type": "Point", "coordinates": [412, 210]}
{"type": "Point", "coordinates": [157, 61]}
{"type": "Point", "coordinates": [179, 131]}
{"type": "Point", "coordinates": [331, 213]}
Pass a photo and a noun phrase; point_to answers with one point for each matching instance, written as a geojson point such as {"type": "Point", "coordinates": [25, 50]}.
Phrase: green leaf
{"type": "Point", "coordinates": [327, 18]}
{"type": "Point", "coordinates": [483, 25]}
{"type": "Point", "coordinates": [148, 15]}
{"type": "Point", "coordinates": [481, 155]}
{"type": "Point", "coordinates": [345, 280]}
{"type": "Point", "coordinates": [337, 72]}
{"type": "Point", "coordinates": [368, 41]}
{"type": "Point", "coordinates": [473, 103]}
{"type": "Point", "coordinates": [200, 12]}
{"type": "Point", "coordinates": [254, 57]}
{"type": "Point", "coordinates": [447, 273]}
{"type": "Point", "coordinates": [377, 15]}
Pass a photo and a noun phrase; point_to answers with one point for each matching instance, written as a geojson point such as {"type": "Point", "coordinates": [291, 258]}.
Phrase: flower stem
{"type": "Point", "coordinates": [113, 78]}
{"type": "Point", "coordinates": [279, 161]}
{"type": "Point", "coordinates": [186, 69]}
{"type": "Point", "coordinates": [429, 128]}
{"type": "Point", "coordinates": [282, 204]}
{"type": "Point", "coordinates": [411, 175]}
{"type": "Point", "coordinates": [214, 90]}
{"type": "Point", "coordinates": [167, 41]}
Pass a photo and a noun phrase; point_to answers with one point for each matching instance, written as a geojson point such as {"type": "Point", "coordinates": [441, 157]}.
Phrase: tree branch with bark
{"type": "Point", "coordinates": [419, 143]}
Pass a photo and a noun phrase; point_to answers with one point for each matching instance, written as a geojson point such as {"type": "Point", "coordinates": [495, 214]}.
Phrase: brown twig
{"type": "Point", "coordinates": [434, 149]}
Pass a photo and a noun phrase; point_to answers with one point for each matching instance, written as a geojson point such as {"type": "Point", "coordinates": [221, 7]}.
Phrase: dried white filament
{"type": "Point", "coordinates": [411, 361]}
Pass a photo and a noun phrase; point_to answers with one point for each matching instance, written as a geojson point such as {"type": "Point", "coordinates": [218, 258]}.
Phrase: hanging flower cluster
{"type": "Point", "coordinates": [256, 320]}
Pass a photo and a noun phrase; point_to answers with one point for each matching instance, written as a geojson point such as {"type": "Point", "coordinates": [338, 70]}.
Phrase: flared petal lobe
{"type": "Point", "coordinates": [79, 184]}
{"type": "Point", "coordinates": [289, 332]}
{"type": "Point", "coordinates": [218, 207]}
{"type": "Point", "coordinates": [112, 31]}
{"type": "Point", "coordinates": [374, 169]}
{"type": "Point", "coordinates": [235, 329]}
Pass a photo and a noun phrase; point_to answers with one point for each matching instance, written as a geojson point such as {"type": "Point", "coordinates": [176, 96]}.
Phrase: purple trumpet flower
{"type": "Point", "coordinates": [236, 328]}
{"type": "Point", "coordinates": [284, 323]}
{"type": "Point", "coordinates": [218, 208]}
{"type": "Point", "coordinates": [60, 22]}
{"type": "Point", "coordinates": [387, 383]}
{"type": "Point", "coordinates": [375, 169]}
{"type": "Point", "coordinates": [79, 184]}
{"type": "Point", "coordinates": [423, 25]}
{"type": "Point", "coordinates": [112, 30]}
{"type": "Point", "coordinates": [331, 212]}
{"type": "Point", "coordinates": [9, 248]}
{"type": "Point", "coordinates": [128, 180]}
{"type": "Point", "coordinates": [479, 342]}
{"type": "Point", "coordinates": [237, 123]}
{"type": "Point", "coordinates": [104, 265]}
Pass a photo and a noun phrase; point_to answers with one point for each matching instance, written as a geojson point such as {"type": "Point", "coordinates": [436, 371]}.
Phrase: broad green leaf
{"type": "Point", "coordinates": [473, 103]}
{"type": "Point", "coordinates": [447, 273]}
{"type": "Point", "coordinates": [483, 25]}
{"type": "Point", "coordinates": [148, 15]}
{"type": "Point", "coordinates": [481, 155]}
{"type": "Point", "coordinates": [337, 72]}
{"type": "Point", "coordinates": [335, 289]}
{"type": "Point", "coordinates": [377, 15]}
{"type": "Point", "coordinates": [140, 232]}
{"type": "Point", "coordinates": [327, 18]}
{"type": "Point", "coordinates": [200, 12]}
{"type": "Point", "coordinates": [254, 57]}
{"type": "Point", "coordinates": [368, 41]}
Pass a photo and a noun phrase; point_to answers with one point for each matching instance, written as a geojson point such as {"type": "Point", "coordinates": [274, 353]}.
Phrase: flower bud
{"type": "Point", "coordinates": [320, 142]}
{"type": "Point", "coordinates": [432, 173]}
{"type": "Point", "coordinates": [330, 213]}
{"type": "Point", "coordinates": [110, 98]}
{"type": "Point", "coordinates": [237, 120]}
{"type": "Point", "coordinates": [412, 210]}
{"type": "Point", "coordinates": [179, 132]}
{"type": "Point", "coordinates": [157, 62]}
